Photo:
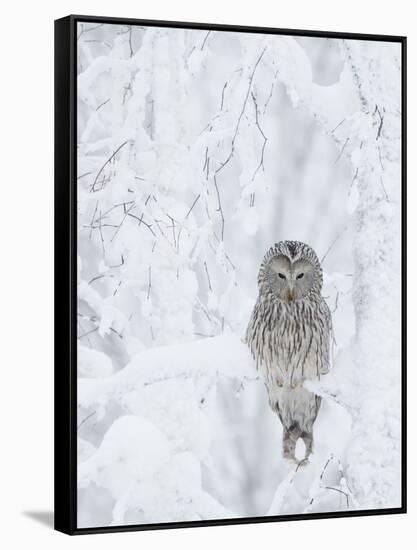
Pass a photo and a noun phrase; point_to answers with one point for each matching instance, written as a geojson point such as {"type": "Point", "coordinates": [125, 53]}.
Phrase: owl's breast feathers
{"type": "Point", "coordinates": [290, 342]}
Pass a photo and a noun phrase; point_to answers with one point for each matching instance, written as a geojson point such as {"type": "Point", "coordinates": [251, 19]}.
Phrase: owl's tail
{"type": "Point", "coordinates": [290, 436]}
{"type": "Point", "coordinates": [294, 431]}
{"type": "Point", "coordinates": [297, 411]}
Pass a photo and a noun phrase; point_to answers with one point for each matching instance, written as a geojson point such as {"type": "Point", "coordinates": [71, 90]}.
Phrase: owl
{"type": "Point", "coordinates": [289, 335]}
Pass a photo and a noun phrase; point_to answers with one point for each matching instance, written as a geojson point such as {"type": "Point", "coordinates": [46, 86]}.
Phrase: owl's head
{"type": "Point", "coordinates": [290, 271]}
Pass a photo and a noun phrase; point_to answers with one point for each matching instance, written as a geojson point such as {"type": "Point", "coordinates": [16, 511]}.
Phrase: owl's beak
{"type": "Point", "coordinates": [291, 294]}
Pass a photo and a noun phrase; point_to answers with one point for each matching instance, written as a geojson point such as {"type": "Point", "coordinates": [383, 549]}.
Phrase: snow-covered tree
{"type": "Point", "coordinates": [197, 150]}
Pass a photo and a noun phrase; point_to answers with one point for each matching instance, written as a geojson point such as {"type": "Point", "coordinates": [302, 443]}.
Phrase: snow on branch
{"type": "Point", "coordinates": [225, 356]}
{"type": "Point", "coordinates": [152, 453]}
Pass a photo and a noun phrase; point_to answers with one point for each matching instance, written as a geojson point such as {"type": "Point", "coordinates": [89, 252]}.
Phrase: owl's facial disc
{"type": "Point", "coordinates": [290, 281]}
{"type": "Point", "coordinates": [303, 277]}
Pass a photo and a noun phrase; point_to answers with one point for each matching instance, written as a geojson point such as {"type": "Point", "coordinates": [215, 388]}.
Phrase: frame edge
{"type": "Point", "coordinates": [236, 28]}
{"type": "Point", "coordinates": [64, 428]}
{"type": "Point", "coordinates": [65, 490]}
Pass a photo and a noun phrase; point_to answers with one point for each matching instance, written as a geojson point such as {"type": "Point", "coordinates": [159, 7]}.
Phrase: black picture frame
{"type": "Point", "coordinates": [65, 384]}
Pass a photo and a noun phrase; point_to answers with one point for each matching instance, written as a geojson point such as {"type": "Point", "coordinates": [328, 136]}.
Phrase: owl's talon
{"type": "Point", "coordinates": [289, 459]}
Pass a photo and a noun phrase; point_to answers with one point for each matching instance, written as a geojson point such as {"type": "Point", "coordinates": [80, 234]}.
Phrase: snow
{"type": "Point", "coordinates": [131, 448]}
{"type": "Point", "coordinates": [166, 394]}
{"type": "Point", "coordinates": [225, 355]}
{"type": "Point", "coordinates": [93, 363]}
{"type": "Point", "coordinates": [196, 152]}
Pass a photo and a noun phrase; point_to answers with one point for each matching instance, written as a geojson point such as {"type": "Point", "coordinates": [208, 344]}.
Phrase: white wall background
{"type": "Point", "coordinates": [26, 235]}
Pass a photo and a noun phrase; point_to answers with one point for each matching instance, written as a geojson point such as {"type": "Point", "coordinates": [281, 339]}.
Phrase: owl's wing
{"type": "Point", "coordinates": [325, 338]}
{"type": "Point", "coordinates": [314, 359]}
{"type": "Point", "coordinates": [254, 335]}
{"type": "Point", "coordinates": [262, 339]}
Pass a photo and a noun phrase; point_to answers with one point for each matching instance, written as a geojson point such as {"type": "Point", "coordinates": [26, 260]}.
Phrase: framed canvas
{"type": "Point", "coordinates": [230, 274]}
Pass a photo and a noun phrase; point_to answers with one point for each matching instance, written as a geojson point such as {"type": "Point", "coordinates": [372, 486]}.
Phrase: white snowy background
{"type": "Point", "coordinates": [197, 151]}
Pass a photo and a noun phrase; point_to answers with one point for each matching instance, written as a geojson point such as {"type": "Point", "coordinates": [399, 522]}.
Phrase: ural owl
{"type": "Point", "coordinates": [289, 335]}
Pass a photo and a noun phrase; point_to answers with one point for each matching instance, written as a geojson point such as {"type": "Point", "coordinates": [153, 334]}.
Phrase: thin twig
{"type": "Point", "coordinates": [336, 127]}
{"type": "Point", "coordinates": [173, 230]}
{"type": "Point", "coordinates": [261, 162]}
{"type": "Point", "coordinates": [232, 149]}
{"type": "Point", "coordinates": [84, 30]}
{"type": "Point", "coordinates": [92, 219]}
{"type": "Point", "coordinates": [83, 175]}
{"type": "Point", "coordinates": [116, 333]}
{"type": "Point", "coordinates": [87, 333]}
{"type": "Point", "coordinates": [85, 419]}
{"type": "Point", "coordinates": [102, 104]}
{"type": "Point", "coordinates": [219, 209]}
{"type": "Point", "coordinates": [271, 91]}
{"type": "Point", "coordinates": [101, 236]}
{"type": "Point", "coordinates": [149, 282]}
{"type": "Point", "coordinates": [93, 187]}
{"type": "Point", "coordinates": [380, 158]}
{"type": "Point", "coordinates": [383, 188]}
{"type": "Point", "coordinates": [117, 288]}
{"type": "Point", "coordinates": [222, 100]}
{"type": "Point", "coordinates": [339, 491]}
{"type": "Point", "coordinates": [98, 42]}
{"type": "Point", "coordinates": [342, 150]}
{"type": "Point", "coordinates": [130, 40]}
{"type": "Point", "coordinates": [353, 180]}
{"type": "Point", "coordinates": [126, 213]}
{"type": "Point", "coordinates": [186, 216]}
{"type": "Point", "coordinates": [140, 220]}
{"type": "Point", "coordinates": [208, 276]}
{"type": "Point", "coordinates": [333, 243]}
{"type": "Point", "coordinates": [205, 40]}
{"type": "Point", "coordinates": [381, 122]}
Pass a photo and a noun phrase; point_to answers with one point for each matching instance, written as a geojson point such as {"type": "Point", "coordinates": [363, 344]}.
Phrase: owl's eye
{"type": "Point", "coordinates": [300, 275]}
{"type": "Point", "coordinates": [281, 276]}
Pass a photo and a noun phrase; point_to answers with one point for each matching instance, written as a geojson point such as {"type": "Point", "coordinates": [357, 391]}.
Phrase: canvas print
{"type": "Point", "coordinates": [239, 274]}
